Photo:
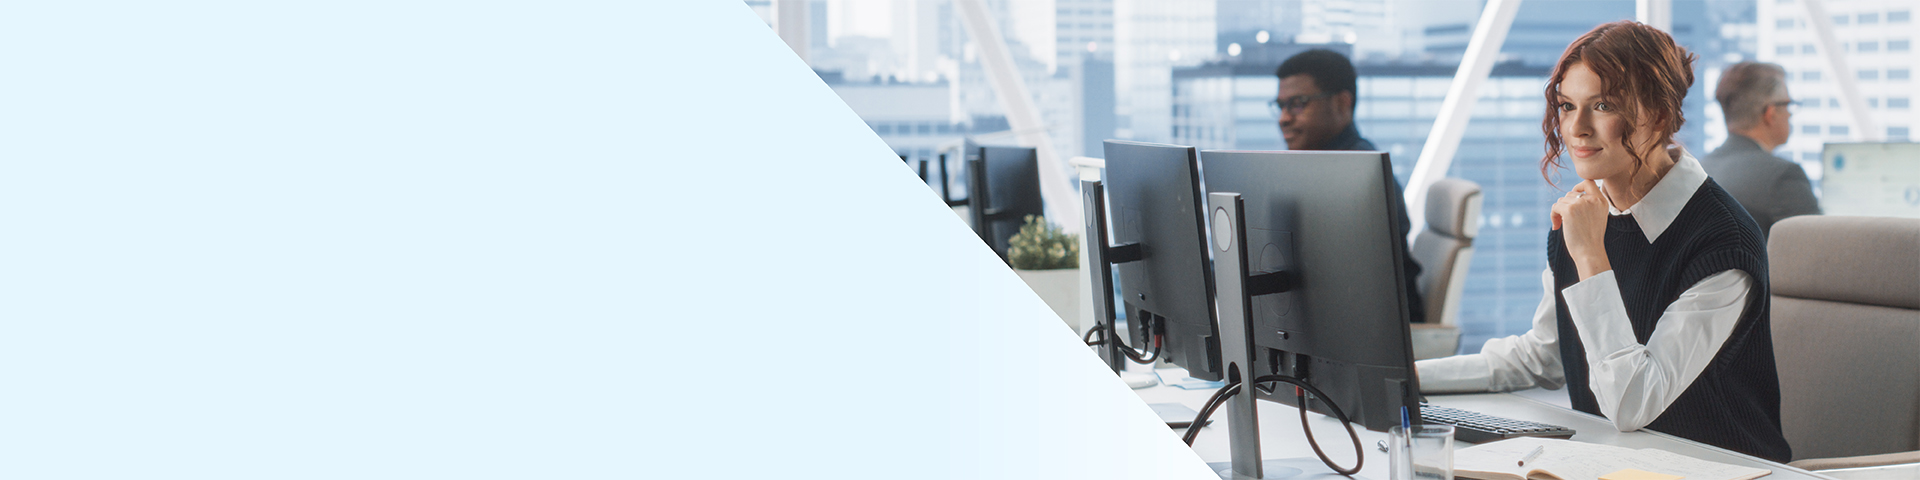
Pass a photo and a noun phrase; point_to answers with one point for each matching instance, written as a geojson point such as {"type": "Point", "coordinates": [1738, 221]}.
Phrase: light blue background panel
{"type": "Point", "coordinates": [498, 240]}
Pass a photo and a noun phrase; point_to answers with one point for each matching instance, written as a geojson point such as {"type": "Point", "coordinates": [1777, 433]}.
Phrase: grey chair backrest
{"type": "Point", "coordinates": [1846, 333]}
{"type": "Point", "coordinates": [1445, 248]}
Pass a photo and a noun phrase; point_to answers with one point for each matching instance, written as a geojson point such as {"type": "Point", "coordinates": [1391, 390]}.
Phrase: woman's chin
{"type": "Point", "coordinates": [1586, 173]}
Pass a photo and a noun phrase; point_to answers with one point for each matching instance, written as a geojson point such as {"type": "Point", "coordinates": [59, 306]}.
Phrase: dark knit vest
{"type": "Point", "coordinates": [1734, 403]}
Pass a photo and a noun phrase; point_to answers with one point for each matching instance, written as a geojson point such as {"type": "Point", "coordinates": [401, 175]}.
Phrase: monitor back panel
{"type": "Point", "coordinates": [1154, 200]}
{"type": "Point", "coordinates": [1325, 217]}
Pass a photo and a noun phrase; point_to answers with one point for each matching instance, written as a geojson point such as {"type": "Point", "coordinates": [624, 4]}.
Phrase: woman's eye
{"type": "Point", "coordinates": [1603, 106]}
{"type": "Point", "coordinates": [1565, 107]}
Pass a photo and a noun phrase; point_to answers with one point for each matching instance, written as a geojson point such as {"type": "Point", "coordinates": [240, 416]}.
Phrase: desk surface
{"type": "Point", "coordinates": [1281, 436]}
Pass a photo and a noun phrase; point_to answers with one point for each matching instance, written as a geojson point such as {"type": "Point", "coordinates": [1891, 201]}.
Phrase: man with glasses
{"type": "Point", "coordinates": [1316, 101]}
{"type": "Point", "coordinates": [1315, 107]}
{"type": "Point", "coordinates": [1754, 98]}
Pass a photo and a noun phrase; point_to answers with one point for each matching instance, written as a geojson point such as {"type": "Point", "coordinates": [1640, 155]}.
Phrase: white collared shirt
{"type": "Point", "coordinates": [1633, 383]}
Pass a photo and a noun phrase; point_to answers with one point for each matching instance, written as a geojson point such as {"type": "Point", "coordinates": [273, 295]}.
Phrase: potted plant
{"type": "Point", "coordinates": [1048, 259]}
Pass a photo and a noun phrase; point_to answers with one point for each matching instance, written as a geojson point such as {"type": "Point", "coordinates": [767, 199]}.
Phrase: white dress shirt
{"type": "Point", "coordinates": [1632, 383]}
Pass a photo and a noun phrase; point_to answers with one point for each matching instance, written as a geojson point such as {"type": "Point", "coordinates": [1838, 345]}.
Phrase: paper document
{"type": "Point", "coordinates": [1571, 460]}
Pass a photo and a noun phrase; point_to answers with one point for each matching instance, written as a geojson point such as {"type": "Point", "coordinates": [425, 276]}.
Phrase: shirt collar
{"type": "Point", "coordinates": [1662, 205]}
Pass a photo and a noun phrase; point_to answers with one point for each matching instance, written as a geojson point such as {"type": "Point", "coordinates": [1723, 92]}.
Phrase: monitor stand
{"type": "Point", "coordinates": [1235, 291]}
{"type": "Point", "coordinates": [1100, 261]}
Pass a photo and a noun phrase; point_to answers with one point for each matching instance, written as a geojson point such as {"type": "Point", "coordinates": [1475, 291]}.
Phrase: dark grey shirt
{"type": "Point", "coordinates": [1771, 188]}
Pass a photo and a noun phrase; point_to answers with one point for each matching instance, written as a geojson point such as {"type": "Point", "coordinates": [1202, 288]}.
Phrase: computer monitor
{"type": "Point", "coordinates": [1870, 179]}
{"type": "Point", "coordinates": [1153, 195]}
{"type": "Point", "coordinates": [1003, 187]}
{"type": "Point", "coordinates": [1308, 269]}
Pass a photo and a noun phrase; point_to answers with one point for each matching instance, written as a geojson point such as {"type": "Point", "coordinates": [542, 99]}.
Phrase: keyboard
{"type": "Point", "coordinates": [1476, 427]}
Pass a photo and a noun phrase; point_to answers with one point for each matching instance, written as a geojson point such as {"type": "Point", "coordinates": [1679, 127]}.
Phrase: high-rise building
{"type": "Point", "coordinates": [1876, 40]}
{"type": "Point", "coordinates": [1082, 28]}
{"type": "Point", "coordinates": [1151, 38]}
{"type": "Point", "coordinates": [1244, 21]}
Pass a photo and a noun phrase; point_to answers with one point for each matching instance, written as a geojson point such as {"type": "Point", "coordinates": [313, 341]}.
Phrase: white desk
{"type": "Point", "coordinates": [1281, 436]}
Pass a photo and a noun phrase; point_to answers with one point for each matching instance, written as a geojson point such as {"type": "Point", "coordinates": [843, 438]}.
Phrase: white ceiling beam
{"type": "Point", "coordinates": [1062, 205]}
{"type": "Point", "coordinates": [1483, 50]}
{"type": "Point", "coordinates": [1655, 13]}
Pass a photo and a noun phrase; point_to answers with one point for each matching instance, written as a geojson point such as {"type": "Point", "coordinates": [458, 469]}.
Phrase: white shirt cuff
{"type": "Point", "coordinates": [1601, 317]}
{"type": "Point", "coordinates": [1455, 374]}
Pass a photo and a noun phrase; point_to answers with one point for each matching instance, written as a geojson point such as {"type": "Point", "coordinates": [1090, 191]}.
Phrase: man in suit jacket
{"type": "Point", "coordinates": [1754, 97]}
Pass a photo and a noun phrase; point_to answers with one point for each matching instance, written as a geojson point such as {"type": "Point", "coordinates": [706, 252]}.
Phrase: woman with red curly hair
{"type": "Point", "coordinates": [1656, 307]}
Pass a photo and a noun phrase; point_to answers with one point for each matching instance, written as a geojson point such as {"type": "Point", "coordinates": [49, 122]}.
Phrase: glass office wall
{"type": "Point", "coordinates": [1096, 67]}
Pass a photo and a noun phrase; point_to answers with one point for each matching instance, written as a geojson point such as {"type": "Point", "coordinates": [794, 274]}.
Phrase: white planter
{"type": "Point", "coordinates": [1060, 289]}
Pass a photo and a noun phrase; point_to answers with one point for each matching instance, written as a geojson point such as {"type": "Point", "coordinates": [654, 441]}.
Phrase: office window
{"type": "Point", "coordinates": [1897, 133]}
{"type": "Point", "coordinates": [1836, 129]}
{"type": "Point", "coordinates": [925, 128]}
{"type": "Point", "coordinates": [1833, 103]}
{"type": "Point", "coordinates": [1809, 156]}
{"type": "Point", "coordinates": [1867, 47]}
{"type": "Point", "coordinates": [1900, 16]}
{"type": "Point", "coordinates": [1873, 102]}
{"type": "Point", "coordinates": [1783, 50]}
{"type": "Point", "coordinates": [1810, 75]}
{"type": "Point", "coordinates": [1899, 74]}
{"type": "Point", "coordinates": [1867, 18]}
{"type": "Point", "coordinates": [1900, 45]}
{"type": "Point", "coordinates": [1899, 103]}
{"type": "Point", "coordinates": [1869, 74]}
{"type": "Point", "coordinates": [1810, 129]}
{"type": "Point", "coordinates": [1808, 49]}
{"type": "Point", "coordinates": [943, 129]}
{"type": "Point", "coordinates": [1810, 103]}
{"type": "Point", "coordinates": [1783, 24]}
{"type": "Point", "coordinates": [1839, 20]}
{"type": "Point", "coordinates": [883, 128]}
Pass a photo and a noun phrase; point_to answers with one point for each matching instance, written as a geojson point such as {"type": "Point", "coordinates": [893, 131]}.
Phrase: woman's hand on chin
{"type": "Point", "coordinates": [1581, 216]}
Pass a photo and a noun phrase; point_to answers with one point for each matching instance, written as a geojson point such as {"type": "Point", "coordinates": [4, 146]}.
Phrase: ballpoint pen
{"type": "Point", "coordinates": [1406, 427]}
{"type": "Point", "coordinates": [1532, 455]}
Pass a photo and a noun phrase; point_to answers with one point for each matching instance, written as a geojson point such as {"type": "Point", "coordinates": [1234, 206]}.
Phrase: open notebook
{"type": "Point", "coordinates": [1570, 460]}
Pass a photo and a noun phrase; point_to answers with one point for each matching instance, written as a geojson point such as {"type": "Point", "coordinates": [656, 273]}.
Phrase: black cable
{"type": "Point", "coordinates": [1113, 335]}
{"type": "Point", "coordinates": [1108, 333]}
{"type": "Point", "coordinates": [1233, 388]}
{"type": "Point", "coordinates": [1219, 397]}
{"type": "Point", "coordinates": [1359, 453]}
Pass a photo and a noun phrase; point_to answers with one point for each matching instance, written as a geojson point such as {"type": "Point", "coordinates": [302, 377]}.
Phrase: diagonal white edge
{"type": "Point", "coordinates": [1830, 49]}
{"type": "Point", "coordinates": [1062, 205]}
{"type": "Point", "coordinates": [1483, 50]}
{"type": "Point", "coordinates": [493, 240]}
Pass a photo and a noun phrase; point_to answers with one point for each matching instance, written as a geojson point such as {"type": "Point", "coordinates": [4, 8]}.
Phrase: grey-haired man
{"type": "Point", "coordinates": [1754, 97]}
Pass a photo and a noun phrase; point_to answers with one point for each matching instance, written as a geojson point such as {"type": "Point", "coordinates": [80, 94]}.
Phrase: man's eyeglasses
{"type": "Point", "coordinates": [1293, 104]}
{"type": "Point", "coordinates": [1790, 105]}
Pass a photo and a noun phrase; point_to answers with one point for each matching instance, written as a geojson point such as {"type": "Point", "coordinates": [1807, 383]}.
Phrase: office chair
{"type": "Point", "coordinates": [1444, 250]}
{"type": "Point", "coordinates": [1846, 338]}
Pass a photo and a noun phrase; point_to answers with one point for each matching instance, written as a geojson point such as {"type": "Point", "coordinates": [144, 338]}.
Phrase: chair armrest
{"type": "Point", "coordinates": [1857, 462]}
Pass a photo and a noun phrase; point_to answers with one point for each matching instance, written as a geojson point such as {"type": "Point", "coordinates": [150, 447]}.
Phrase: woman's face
{"type": "Point", "coordinates": [1591, 127]}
